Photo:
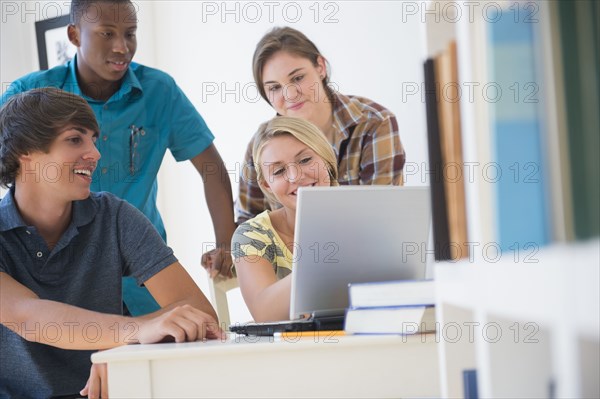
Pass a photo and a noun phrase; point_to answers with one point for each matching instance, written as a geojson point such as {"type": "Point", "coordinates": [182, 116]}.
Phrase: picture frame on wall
{"type": "Point", "coordinates": [54, 47]}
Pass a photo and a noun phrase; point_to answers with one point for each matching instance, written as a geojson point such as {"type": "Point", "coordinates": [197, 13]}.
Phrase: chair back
{"type": "Point", "coordinates": [219, 286]}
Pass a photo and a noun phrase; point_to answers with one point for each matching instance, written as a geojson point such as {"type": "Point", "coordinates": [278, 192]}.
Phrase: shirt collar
{"type": "Point", "coordinates": [71, 84]}
{"type": "Point", "coordinates": [130, 82]}
{"type": "Point", "coordinates": [129, 85]}
{"type": "Point", "coordinates": [84, 212]}
{"type": "Point", "coordinates": [346, 113]}
{"type": "Point", "coordinates": [10, 218]}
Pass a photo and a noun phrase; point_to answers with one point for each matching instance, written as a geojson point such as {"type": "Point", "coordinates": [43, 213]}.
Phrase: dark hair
{"type": "Point", "coordinates": [292, 41]}
{"type": "Point", "coordinates": [30, 121]}
{"type": "Point", "coordinates": [79, 8]}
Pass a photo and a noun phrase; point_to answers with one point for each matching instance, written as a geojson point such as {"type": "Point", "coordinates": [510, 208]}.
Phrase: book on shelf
{"type": "Point", "coordinates": [472, 48]}
{"type": "Point", "coordinates": [392, 293]}
{"type": "Point", "coordinates": [448, 97]}
{"type": "Point", "coordinates": [554, 122]}
{"type": "Point", "coordinates": [441, 235]}
{"type": "Point", "coordinates": [390, 320]}
{"type": "Point", "coordinates": [470, 384]}
{"type": "Point", "coordinates": [521, 192]}
{"type": "Point", "coordinates": [580, 43]}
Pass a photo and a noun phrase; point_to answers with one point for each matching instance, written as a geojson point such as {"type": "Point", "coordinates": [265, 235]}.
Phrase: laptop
{"type": "Point", "coordinates": [349, 234]}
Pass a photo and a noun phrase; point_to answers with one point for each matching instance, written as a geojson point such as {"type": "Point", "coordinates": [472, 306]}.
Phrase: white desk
{"type": "Point", "coordinates": [350, 366]}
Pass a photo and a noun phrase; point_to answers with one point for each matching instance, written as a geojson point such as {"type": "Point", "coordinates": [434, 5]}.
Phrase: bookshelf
{"type": "Point", "coordinates": [529, 329]}
{"type": "Point", "coordinates": [524, 316]}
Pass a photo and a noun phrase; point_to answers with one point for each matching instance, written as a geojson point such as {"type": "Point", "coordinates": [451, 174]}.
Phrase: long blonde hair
{"type": "Point", "coordinates": [302, 130]}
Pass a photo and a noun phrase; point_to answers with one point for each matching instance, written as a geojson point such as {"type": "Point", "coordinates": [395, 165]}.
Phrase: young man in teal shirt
{"type": "Point", "coordinates": [141, 113]}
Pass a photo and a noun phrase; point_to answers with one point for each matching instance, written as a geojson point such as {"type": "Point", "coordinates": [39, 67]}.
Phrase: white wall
{"type": "Point", "coordinates": [375, 50]}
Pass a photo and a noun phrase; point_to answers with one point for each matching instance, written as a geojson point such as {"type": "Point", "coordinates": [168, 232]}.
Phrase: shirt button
{"type": "Point", "coordinates": [39, 254]}
{"type": "Point", "coordinates": [104, 138]}
{"type": "Point", "coordinates": [104, 170]}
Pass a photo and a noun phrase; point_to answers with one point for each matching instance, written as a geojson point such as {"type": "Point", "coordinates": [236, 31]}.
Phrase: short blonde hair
{"type": "Point", "coordinates": [303, 131]}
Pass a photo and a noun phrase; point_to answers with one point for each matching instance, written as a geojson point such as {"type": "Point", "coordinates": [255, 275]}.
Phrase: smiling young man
{"type": "Point", "coordinates": [142, 113]}
{"type": "Point", "coordinates": [64, 250]}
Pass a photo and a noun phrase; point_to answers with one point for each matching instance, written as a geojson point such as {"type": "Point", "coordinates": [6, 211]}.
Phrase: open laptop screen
{"type": "Point", "coordinates": [353, 234]}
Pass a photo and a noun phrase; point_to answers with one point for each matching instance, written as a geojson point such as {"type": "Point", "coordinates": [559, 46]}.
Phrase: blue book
{"type": "Point", "coordinates": [521, 195]}
{"type": "Point", "coordinates": [470, 384]}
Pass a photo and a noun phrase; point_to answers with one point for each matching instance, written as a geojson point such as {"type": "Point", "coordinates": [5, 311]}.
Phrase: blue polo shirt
{"type": "Point", "coordinates": [162, 117]}
{"type": "Point", "coordinates": [106, 239]}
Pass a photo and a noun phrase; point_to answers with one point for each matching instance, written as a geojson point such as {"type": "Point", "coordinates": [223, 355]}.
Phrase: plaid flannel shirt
{"type": "Point", "coordinates": [367, 144]}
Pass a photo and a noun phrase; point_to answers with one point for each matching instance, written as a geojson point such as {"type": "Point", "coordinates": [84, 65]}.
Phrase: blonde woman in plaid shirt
{"type": "Point", "coordinates": [293, 77]}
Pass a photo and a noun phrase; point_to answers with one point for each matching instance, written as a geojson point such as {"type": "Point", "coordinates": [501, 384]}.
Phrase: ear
{"type": "Point", "coordinates": [25, 162]}
{"type": "Point", "coordinates": [322, 66]}
{"type": "Point", "coordinates": [25, 158]}
{"type": "Point", "coordinates": [264, 185]}
{"type": "Point", "coordinates": [73, 34]}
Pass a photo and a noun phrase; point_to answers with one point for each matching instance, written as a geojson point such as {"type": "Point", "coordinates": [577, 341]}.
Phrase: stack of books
{"type": "Point", "coordinates": [391, 307]}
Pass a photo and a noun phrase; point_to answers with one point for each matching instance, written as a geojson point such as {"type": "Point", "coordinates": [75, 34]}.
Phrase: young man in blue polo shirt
{"type": "Point", "coordinates": [141, 113]}
{"type": "Point", "coordinates": [63, 251]}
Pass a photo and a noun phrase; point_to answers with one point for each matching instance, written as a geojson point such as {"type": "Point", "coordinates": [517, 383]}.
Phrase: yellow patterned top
{"type": "Point", "coordinates": [257, 237]}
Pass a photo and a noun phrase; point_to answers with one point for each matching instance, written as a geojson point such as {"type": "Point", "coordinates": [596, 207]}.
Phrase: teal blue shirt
{"type": "Point", "coordinates": [149, 100]}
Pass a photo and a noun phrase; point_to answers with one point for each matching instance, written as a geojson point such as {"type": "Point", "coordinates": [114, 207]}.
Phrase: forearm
{"type": "Point", "coordinates": [273, 302]}
{"type": "Point", "coordinates": [217, 191]}
{"type": "Point", "coordinates": [220, 205]}
{"type": "Point", "coordinates": [69, 327]}
{"type": "Point", "coordinates": [173, 287]}
{"type": "Point", "coordinates": [199, 303]}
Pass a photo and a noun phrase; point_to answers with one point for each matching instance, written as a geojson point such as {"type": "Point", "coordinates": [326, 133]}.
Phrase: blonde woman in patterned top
{"type": "Point", "coordinates": [289, 153]}
{"type": "Point", "coordinates": [293, 77]}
